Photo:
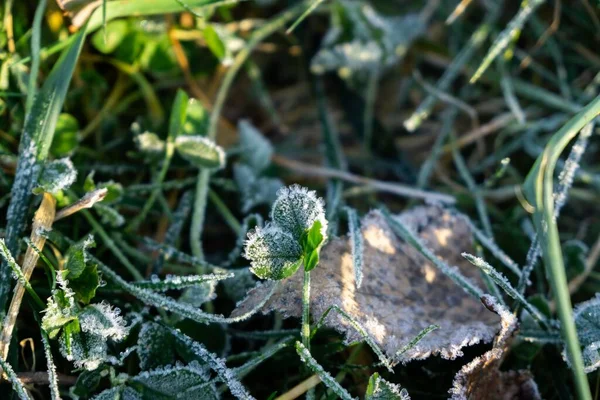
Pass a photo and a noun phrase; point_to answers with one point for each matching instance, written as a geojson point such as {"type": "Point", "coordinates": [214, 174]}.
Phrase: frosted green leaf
{"type": "Point", "coordinates": [150, 144]}
{"type": "Point", "coordinates": [57, 175]}
{"type": "Point", "coordinates": [296, 210]}
{"type": "Point", "coordinates": [76, 257]}
{"type": "Point", "coordinates": [199, 294]}
{"type": "Point", "coordinates": [155, 346]}
{"type": "Point", "coordinates": [256, 149]}
{"type": "Point", "coordinates": [255, 190]}
{"type": "Point", "coordinates": [188, 382]}
{"type": "Point", "coordinates": [250, 222]}
{"type": "Point", "coordinates": [103, 320]}
{"type": "Point", "coordinates": [273, 253]}
{"type": "Point", "coordinates": [587, 322]}
{"type": "Point", "coordinates": [61, 307]}
{"type": "Point", "coordinates": [196, 119]}
{"type": "Point", "coordinates": [380, 389]}
{"type": "Point", "coordinates": [118, 393]}
{"type": "Point", "coordinates": [200, 151]}
{"type": "Point", "coordinates": [84, 349]}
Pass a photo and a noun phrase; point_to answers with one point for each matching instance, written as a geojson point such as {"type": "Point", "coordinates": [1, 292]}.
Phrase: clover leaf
{"type": "Point", "coordinates": [295, 235]}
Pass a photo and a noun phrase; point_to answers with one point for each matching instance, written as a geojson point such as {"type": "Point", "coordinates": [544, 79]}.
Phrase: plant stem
{"type": "Point", "coordinates": [204, 176]}
{"type": "Point", "coordinates": [305, 333]}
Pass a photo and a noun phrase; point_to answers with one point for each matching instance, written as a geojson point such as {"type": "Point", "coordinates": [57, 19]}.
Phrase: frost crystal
{"type": "Point", "coordinates": [155, 346]}
{"type": "Point", "coordinates": [200, 151]}
{"type": "Point", "coordinates": [274, 254]}
{"type": "Point", "coordinates": [587, 322]}
{"type": "Point", "coordinates": [103, 320]}
{"type": "Point", "coordinates": [85, 350]}
{"type": "Point", "coordinates": [57, 175]}
{"type": "Point", "coordinates": [178, 382]}
{"type": "Point", "coordinates": [380, 389]}
{"type": "Point", "coordinates": [296, 209]}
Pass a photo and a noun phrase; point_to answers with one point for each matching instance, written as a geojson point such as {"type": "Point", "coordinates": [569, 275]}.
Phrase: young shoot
{"type": "Point", "coordinates": [294, 236]}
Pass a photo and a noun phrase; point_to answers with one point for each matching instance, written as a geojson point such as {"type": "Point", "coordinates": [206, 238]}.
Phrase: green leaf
{"type": "Point", "coordinates": [380, 389]}
{"type": "Point", "coordinates": [115, 33]}
{"type": "Point", "coordinates": [86, 283]}
{"type": "Point", "coordinates": [587, 322]}
{"type": "Point", "coordinates": [575, 253]}
{"type": "Point", "coordinates": [156, 346]}
{"type": "Point", "coordinates": [150, 144]}
{"type": "Point", "coordinates": [197, 118]}
{"type": "Point", "coordinates": [179, 382]}
{"type": "Point", "coordinates": [36, 139]}
{"type": "Point", "coordinates": [214, 42]}
{"type": "Point", "coordinates": [296, 210]}
{"type": "Point", "coordinates": [57, 175]}
{"type": "Point", "coordinates": [178, 113]}
{"type": "Point", "coordinates": [65, 136]}
{"type": "Point", "coordinates": [274, 254]}
{"type": "Point", "coordinates": [200, 152]}
{"type": "Point", "coordinates": [76, 257]}
{"type": "Point", "coordinates": [87, 382]}
{"type": "Point", "coordinates": [311, 243]}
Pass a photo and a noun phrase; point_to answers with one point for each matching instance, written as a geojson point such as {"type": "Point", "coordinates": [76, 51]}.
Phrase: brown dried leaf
{"type": "Point", "coordinates": [402, 293]}
{"type": "Point", "coordinates": [482, 379]}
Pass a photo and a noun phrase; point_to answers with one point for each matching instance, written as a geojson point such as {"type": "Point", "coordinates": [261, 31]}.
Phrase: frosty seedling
{"type": "Point", "coordinates": [295, 235]}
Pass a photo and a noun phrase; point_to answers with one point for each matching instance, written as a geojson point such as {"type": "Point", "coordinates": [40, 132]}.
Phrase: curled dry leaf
{"type": "Point", "coordinates": [482, 379]}
{"type": "Point", "coordinates": [402, 292]}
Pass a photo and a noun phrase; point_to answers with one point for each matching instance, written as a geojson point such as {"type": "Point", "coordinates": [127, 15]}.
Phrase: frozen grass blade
{"type": "Point", "coordinates": [52, 377]}
{"type": "Point", "coordinates": [215, 363]}
{"type": "Point", "coordinates": [452, 72]}
{"type": "Point", "coordinates": [356, 239]}
{"type": "Point", "coordinates": [36, 139]}
{"type": "Point", "coordinates": [539, 190]}
{"type": "Point", "coordinates": [16, 383]}
{"type": "Point", "coordinates": [326, 378]}
{"type": "Point", "coordinates": [505, 285]}
{"type": "Point", "coordinates": [451, 272]}
{"type": "Point", "coordinates": [509, 33]}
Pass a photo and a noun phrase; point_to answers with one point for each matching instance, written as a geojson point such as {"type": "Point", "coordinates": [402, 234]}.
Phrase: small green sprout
{"type": "Point", "coordinates": [295, 235]}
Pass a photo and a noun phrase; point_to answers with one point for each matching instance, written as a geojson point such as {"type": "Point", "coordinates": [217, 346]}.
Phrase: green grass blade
{"type": "Point", "coordinates": [35, 54]}
{"type": "Point", "coordinates": [539, 191]}
{"type": "Point", "coordinates": [36, 139]}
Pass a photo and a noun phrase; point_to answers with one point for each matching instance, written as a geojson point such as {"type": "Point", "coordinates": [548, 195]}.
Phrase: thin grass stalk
{"type": "Point", "coordinates": [203, 179]}
{"type": "Point", "coordinates": [539, 189]}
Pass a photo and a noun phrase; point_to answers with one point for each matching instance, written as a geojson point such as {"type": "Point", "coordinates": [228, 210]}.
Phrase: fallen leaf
{"type": "Point", "coordinates": [482, 379]}
{"type": "Point", "coordinates": [402, 293]}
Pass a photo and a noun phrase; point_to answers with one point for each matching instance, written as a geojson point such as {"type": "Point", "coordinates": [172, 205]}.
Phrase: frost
{"type": "Point", "coordinates": [380, 389]}
{"type": "Point", "coordinates": [155, 346]}
{"type": "Point", "coordinates": [76, 257]}
{"type": "Point", "coordinates": [216, 364]}
{"type": "Point", "coordinates": [200, 151]}
{"type": "Point", "coordinates": [178, 282]}
{"type": "Point", "coordinates": [482, 379]}
{"type": "Point", "coordinates": [326, 378]}
{"type": "Point", "coordinates": [52, 377]}
{"type": "Point", "coordinates": [256, 149]}
{"type": "Point", "coordinates": [274, 254]}
{"type": "Point", "coordinates": [61, 307]}
{"type": "Point", "coordinates": [178, 382]}
{"type": "Point", "coordinates": [16, 383]}
{"type": "Point", "coordinates": [356, 239]}
{"type": "Point", "coordinates": [250, 222]}
{"type": "Point", "coordinates": [150, 143]}
{"type": "Point", "coordinates": [412, 294]}
{"type": "Point", "coordinates": [118, 393]}
{"type": "Point", "coordinates": [103, 320]}
{"type": "Point", "coordinates": [587, 322]}
{"type": "Point", "coordinates": [57, 175]}
{"type": "Point", "coordinates": [199, 294]}
{"type": "Point", "coordinates": [255, 190]}
{"type": "Point", "coordinates": [85, 350]}
{"type": "Point", "coordinates": [296, 210]}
